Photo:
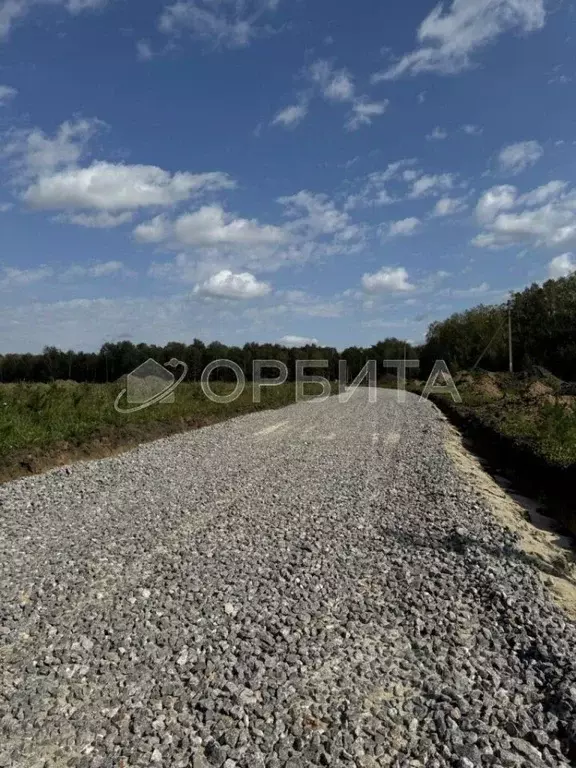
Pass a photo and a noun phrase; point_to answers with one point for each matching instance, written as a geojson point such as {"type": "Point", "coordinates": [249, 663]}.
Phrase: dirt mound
{"type": "Point", "coordinates": [538, 390]}
{"type": "Point", "coordinates": [487, 385]}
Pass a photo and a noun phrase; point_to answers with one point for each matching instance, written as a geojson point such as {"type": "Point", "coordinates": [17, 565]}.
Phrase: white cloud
{"type": "Point", "coordinates": [156, 230]}
{"type": "Point", "coordinates": [387, 279]}
{"type": "Point", "coordinates": [75, 6]}
{"type": "Point", "coordinates": [99, 269]}
{"type": "Point", "coordinates": [393, 170]}
{"type": "Point", "coordinates": [448, 37]}
{"type": "Point", "coordinates": [297, 341]}
{"type": "Point", "coordinates": [144, 50]}
{"type": "Point", "coordinates": [335, 85]}
{"type": "Point", "coordinates": [493, 201]}
{"type": "Point", "coordinates": [315, 215]}
{"type": "Point", "coordinates": [405, 227]}
{"type": "Point", "coordinates": [7, 93]}
{"type": "Point", "coordinates": [34, 154]}
{"type": "Point", "coordinates": [431, 184]}
{"type": "Point", "coordinates": [544, 194]}
{"type": "Point", "coordinates": [209, 226]}
{"type": "Point", "coordinates": [115, 187]}
{"type": "Point", "coordinates": [363, 112]}
{"type": "Point", "coordinates": [212, 226]}
{"type": "Point", "coordinates": [101, 220]}
{"type": "Point", "coordinates": [291, 116]}
{"type": "Point", "coordinates": [338, 86]}
{"type": "Point", "coordinates": [515, 158]}
{"type": "Point", "coordinates": [12, 11]}
{"type": "Point", "coordinates": [227, 285]}
{"type": "Point", "coordinates": [438, 134]}
{"type": "Point", "coordinates": [562, 266]}
{"type": "Point", "coordinates": [5, 207]}
{"type": "Point", "coordinates": [211, 239]}
{"type": "Point", "coordinates": [375, 191]}
{"type": "Point", "coordinates": [12, 277]}
{"type": "Point", "coordinates": [475, 290]}
{"type": "Point", "coordinates": [223, 23]}
{"type": "Point", "coordinates": [472, 130]}
{"type": "Point", "coordinates": [106, 268]}
{"type": "Point", "coordinates": [545, 216]}
{"type": "Point", "coordinates": [447, 206]}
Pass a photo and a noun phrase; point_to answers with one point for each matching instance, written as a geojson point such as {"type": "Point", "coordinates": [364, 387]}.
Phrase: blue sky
{"type": "Point", "coordinates": [265, 170]}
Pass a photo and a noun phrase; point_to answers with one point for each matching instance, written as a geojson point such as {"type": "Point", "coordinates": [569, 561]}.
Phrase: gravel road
{"type": "Point", "coordinates": [316, 586]}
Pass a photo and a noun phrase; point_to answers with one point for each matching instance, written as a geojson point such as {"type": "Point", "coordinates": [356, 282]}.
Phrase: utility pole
{"type": "Point", "coordinates": [510, 359]}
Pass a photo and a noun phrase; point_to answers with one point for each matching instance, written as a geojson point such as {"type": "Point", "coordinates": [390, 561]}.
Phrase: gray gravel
{"type": "Point", "coordinates": [326, 593]}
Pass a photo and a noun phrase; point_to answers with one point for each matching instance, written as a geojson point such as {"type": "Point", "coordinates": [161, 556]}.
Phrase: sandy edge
{"type": "Point", "coordinates": [538, 544]}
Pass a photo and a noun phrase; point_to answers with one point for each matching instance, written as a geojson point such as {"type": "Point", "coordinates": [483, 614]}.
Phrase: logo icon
{"type": "Point", "coordinates": [149, 384]}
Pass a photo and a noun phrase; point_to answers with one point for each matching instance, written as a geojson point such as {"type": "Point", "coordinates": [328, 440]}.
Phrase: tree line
{"type": "Point", "coordinates": [543, 321]}
{"type": "Point", "coordinates": [114, 360]}
{"type": "Point", "coordinates": [543, 333]}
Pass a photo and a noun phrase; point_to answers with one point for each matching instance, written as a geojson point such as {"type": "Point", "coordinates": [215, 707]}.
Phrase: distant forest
{"type": "Point", "coordinates": [543, 333]}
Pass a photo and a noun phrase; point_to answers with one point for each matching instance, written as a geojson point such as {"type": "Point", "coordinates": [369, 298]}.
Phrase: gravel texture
{"type": "Point", "coordinates": [329, 592]}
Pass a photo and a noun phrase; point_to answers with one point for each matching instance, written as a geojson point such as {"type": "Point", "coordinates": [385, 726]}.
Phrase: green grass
{"type": "Point", "coordinates": [551, 429]}
{"type": "Point", "coordinates": [37, 417]}
{"type": "Point", "coordinates": [543, 421]}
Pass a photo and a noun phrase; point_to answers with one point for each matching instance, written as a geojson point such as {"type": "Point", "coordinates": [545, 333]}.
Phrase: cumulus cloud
{"type": "Point", "coordinates": [493, 201]}
{"type": "Point", "coordinates": [562, 266]}
{"type": "Point", "coordinates": [99, 269]}
{"type": "Point", "coordinates": [475, 290]}
{"type": "Point", "coordinates": [222, 23]}
{"type": "Point", "coordinates": [314, 229]}
{"type": "Point", "coordinates": [156, 230]}
{"type": "Point", "coordinates": [315, 215]}
{"type": "Point", "coordinates": [12, 11]}
{"type": "Point", "coordinates": [227, 285]}
{"type": "Point", "coordinates": [409, 181]}
{"type": "Point", "coordinates": [102, 220]}
{"type": "Point", "coordinates": [289, 117]}
{"type": "Point", "coordinates": [545, 216]}
{"type": "Point", "coordinates": [13, 277]}
{"type": "Point", "coordinates": [516, 158]}
{"type": "Point", "coordinates": [363, 112]}
{"type": "Point", "coordinates": [144, 50]}
{"type": "Point", "coordinates": [7, 93]}
{"type": "Point", "coordinates": [209, 226]}
{"type": "Point", "coordinates": [405, 227]}
{"type": "Point", "coordinates": [115, 187]}
{"type": "Point", "coordinates": [212, 226]}
{"type": "Point", "coordinates": [544, 194]}
{"type": "Point", "coordinates": [431, 184]}
{"type": "Point", "coordinates": [449, 36]}
{"type": "Point", "coordinates": [388, 279]}
{"type": "Point", "coordinates": [33, 153]}
{"type": "Point", "coordinates": [447, 206]}
{"type": "Point", "coordinates": [49, 173]}
{"type": "Point", "coordinates": [472, 130]}
{"type": "Point", "coordinates": [337, 85]}
{"type": "Point", "coordinates": [297, 341]}
{"type": "Point", "coordinates": [438, 134]}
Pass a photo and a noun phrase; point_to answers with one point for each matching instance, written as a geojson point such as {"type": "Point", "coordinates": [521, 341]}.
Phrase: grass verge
{"type": "Point", "coordinates": [47, 425]}
{"type": "Point", "coordinates": [525, 430]}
